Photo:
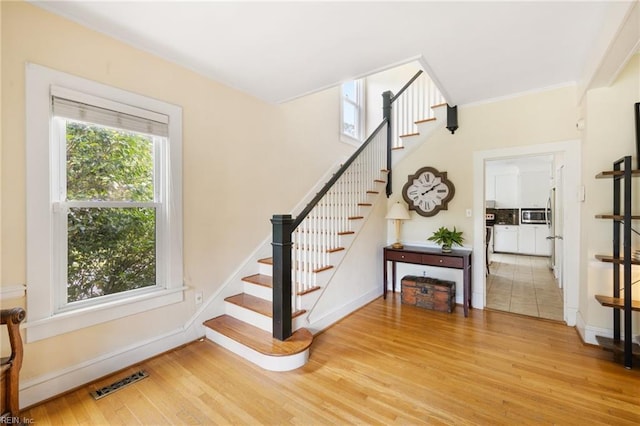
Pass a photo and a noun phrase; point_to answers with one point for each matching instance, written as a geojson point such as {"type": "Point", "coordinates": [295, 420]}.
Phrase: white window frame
{"type": "Point", "coordinates": [359, 104]}
{"type": "Point", "coordinates": [45, 318]}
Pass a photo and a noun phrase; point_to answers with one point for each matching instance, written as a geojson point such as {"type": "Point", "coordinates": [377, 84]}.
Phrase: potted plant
{"type": "Point", "coordinates": [447, 238]}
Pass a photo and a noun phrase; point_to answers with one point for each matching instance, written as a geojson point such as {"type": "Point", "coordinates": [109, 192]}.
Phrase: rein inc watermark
{"type": "Point", "coordinates": [17, 420]}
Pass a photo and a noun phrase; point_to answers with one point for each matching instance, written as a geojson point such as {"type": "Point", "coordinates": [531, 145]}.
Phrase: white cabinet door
{"type": "Point", "coordinates": [505, 239]}
{"type": "Point", "coordinates": [490, 188]}
{"type": "Point", "coordinates": [534, 189]}
{"type": "Point", "coordinates": [543, 245]}
{"type": "Point", "coordinates": [506, 194]}
{"type": "Point", "coordinates": [527, 239]}
{"type": "Point", "coordinates": [532, 239]}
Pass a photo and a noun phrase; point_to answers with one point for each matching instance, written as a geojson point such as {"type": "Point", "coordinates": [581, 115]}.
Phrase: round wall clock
{"type": "Point", "coordinates": [428, 191]}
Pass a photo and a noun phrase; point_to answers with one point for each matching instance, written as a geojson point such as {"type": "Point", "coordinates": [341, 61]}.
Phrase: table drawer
{"type": "Point", "coordinates": [404, 257]}
{"type": "Point", "coordinates": [449, 262]}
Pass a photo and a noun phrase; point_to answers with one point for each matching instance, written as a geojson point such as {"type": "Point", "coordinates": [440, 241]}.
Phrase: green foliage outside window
{"type": "Point", "coordinates": [110, 249]}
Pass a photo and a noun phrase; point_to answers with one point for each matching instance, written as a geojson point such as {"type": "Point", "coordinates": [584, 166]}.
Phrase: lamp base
{"type": "Point", "coordinates": [397, 245]}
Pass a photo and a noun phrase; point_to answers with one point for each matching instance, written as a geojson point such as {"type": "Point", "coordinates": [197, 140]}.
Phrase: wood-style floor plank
{"type": "Point", "coordinates": [385, 364]}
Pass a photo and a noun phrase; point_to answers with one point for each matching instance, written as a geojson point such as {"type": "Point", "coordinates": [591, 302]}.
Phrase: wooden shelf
{"type": "Point", "coordinates": [608, 344]}
{"type": "Point", "coordinates": [610, 259]}
{"type": "Point", "coordinates": [615, 302]}
{"type": "Point", "coordinates": [616, 216]}
{"type": "Point", "coordinates": [615, 173]}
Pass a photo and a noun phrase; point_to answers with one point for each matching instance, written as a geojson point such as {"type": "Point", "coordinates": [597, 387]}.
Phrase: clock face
{"type": "Point", "coordinates": [428, 191]}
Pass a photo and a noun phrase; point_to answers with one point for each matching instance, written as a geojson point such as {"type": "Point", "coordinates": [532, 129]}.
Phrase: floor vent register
{"type": "Point", "coordinates": [107, 390]}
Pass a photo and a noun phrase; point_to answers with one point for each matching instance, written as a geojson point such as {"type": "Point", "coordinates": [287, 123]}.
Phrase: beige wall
{"type": "Point", "coordinates": [234, 156]}
{"type": "Point", "coordinates": [608, 136]}
{"type": "Point", "coordinates": [237, 151]}
{"type": "Point", "coordinates": [531, 119]}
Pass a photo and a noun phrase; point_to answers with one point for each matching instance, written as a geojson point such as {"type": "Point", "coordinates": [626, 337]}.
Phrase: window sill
{"type": "Point", "coordinates": [349, 140]}
{"type": "Point", "coordinates": [77, 319]}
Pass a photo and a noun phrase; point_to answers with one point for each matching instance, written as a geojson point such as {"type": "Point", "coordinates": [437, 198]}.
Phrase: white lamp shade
{"type": "Point", "coordinates": [398, 211]}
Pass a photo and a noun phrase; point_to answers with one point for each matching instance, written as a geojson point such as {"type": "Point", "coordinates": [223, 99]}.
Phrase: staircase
{"type": "Point", "coordinates": [325, 230]}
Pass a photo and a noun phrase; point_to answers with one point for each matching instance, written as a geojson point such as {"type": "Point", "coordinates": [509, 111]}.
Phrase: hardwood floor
{"type": "Point", "coordinates": [386, 363]}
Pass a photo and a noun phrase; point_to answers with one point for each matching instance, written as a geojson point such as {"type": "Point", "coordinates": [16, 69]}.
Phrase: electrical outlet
{"type": "Point", "coordinates": [198, 297]}
{"type": "Point", "coordinates": [468, 212]}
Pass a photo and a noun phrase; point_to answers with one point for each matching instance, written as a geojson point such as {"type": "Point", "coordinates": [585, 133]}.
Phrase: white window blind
{"type": "Point", "coordinates": [77, 106]}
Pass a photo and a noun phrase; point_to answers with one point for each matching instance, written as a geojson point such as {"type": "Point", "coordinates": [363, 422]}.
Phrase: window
{"type": "Point", "coordinates": [352, 111]}
{"type": "Point", "coordinates": [104, 225]}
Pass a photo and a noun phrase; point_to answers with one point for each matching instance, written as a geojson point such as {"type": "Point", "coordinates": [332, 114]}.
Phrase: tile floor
{"type": "Point", "coordinates": [523, 285]}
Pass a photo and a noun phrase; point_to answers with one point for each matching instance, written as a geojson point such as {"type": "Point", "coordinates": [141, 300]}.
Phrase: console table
{"type": "Point", "coordinates": [457, 259]}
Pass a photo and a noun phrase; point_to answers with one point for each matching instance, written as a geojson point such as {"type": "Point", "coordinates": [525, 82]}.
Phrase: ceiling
{"type": "Point", "coordinates": [278, 51]}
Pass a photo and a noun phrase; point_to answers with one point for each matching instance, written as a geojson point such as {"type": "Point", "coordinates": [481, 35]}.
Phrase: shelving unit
{"type": "Point", "coordinates": [621, 300]}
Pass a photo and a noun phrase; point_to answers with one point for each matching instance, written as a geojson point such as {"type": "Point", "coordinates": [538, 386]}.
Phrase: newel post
{"type": "Point", "coordinates": [282, 228]}
{"type": "Point", "coordinates": [386, 115]}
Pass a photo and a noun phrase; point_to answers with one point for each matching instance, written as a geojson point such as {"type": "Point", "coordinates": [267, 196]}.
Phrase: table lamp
{"type": "Point", "coordinates": [398, 212]}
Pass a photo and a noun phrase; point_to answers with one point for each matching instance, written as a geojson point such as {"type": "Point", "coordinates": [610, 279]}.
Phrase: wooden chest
{"type": "Point", "coordinates": [429, 293]}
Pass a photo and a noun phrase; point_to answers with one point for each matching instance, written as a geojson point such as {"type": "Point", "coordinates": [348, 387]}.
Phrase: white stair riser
{"type": "Point", "coordinates": [249, 316]}
{"type": "Point", "coordinates": [260, 291]}
{"type": "Point", "coordinates": [265, 269]}
{"type": "Point", "coordinates": [271, 363]}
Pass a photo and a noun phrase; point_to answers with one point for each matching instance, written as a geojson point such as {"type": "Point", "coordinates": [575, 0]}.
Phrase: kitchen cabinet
{"type": "Point", "coordinates": [505, 238]}
{"type": "Point", "coordinates": [534, 188]}
{"type": "Point", "coordinates": [506, 191]}
{"type": "Point", "coordinates": [532, 239]}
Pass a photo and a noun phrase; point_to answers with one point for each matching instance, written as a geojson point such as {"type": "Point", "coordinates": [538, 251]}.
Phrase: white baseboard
{"type": "Point", "coordinates": [588, 333]}
{"type": "Point", "coordinates": [319, 324]}
{"type": "Point", "coordinates": [55, 383]}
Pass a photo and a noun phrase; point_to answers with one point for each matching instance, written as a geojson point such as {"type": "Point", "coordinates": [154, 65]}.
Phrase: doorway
{"type": "Point", "coordinates": [568, 263]}
{"type": "Point", "coordinates": [521, 203]}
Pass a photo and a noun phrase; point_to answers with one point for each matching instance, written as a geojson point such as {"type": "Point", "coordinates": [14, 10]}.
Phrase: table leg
{"type": "Point", "coordinates": [393, 276]}
{"type": "Point", "coordinates": [384, 279]}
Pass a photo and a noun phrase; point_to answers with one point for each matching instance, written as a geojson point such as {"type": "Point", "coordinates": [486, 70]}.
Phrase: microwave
{"type": "Point", "coordinates": [535, 216]}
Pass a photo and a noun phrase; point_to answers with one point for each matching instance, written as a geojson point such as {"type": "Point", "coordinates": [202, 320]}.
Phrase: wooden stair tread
{"type": "Point", "coordinates": [609, 344]}
{"type": "Point", "coordinates": [256, 304]}
{"type": "Point", "coordinates": [259, 279]}
{"type": "Point", "coordinates": [260, 340]}
{"type": "Point", "coordinates": [439, 105]}
{"type": "Point", "coordinates": [425, 120]}
{"type": "Point", "coordinates": [616, 302]}
{"type": "Point", "coordinates": [267, 281]}
{"type": "Point", "coordinates": [409, 135]}
{"type": "Point", "coordinates": [253, 303]}
{"type": "Point", "coordinates": [266, 260]}
{"type": "Point", "coordinates": [324, 268]}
